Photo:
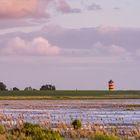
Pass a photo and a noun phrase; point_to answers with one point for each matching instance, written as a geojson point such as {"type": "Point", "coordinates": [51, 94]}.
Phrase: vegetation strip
{"type": "Point", "coordinates": [62, 94]}
{"type": "Point", "coordinates": [28, 131]}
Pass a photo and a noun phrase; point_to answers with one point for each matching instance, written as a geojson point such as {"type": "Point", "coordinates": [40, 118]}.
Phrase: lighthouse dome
{"type": "Point", "coordinates": [111, 81]}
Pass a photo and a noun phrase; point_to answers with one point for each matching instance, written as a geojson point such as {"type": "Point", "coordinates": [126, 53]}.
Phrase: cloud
{"type": "Point", "coordinates": [107, 29]}
{"type": "Point", "coordinates": [12, 9]}
{"type": "Point", "coordinates": [23, 8]}
{"type": "Point", "coordinates": [117, 50]}
{"type": "Point", "coordinates": [14, 23]}
{"type": "Point", "coordinates": [98, 50]}
{"type": "Point", "coordinates": [116, 8]}
{"type": "Point", "coordinates": [112, 50]}
{"type": "Point", "coordinates": [94, 6]}
{"type": "Point", "coordinates": [38, 46]}
{"type": "Point", "coordinates": [121, 44]}
{"type": "Point", "coordinates": [64, 7]}
{"type": "Point", "coordinates": [84, 37]}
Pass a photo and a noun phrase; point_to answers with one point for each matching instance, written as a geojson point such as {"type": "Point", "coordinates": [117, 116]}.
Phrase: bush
{"type": "Point", "coordinates": [104, 137]}
{"type": "Point", "coordinates": [29, 129]}
{"type": "Point", "coordinates": [76, 124]}
{"type": "Point", "coordinates": [46, 135]}
{"type": "Point", "coordinates": [1, 129]}
{"type": "Point", "coordinates": [38, 133]}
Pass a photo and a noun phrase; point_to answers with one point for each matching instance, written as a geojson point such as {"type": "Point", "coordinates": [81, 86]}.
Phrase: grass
{"type": "Point", "coordinates": [70, 94]}
{"type": "Point", "coordinates": [28, 131]}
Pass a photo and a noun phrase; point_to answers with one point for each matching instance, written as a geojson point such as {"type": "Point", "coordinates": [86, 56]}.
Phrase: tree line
{"type": "Point", "coordinates": [3, 87]}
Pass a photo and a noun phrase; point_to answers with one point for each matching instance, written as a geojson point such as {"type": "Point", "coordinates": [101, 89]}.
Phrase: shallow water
{"type": "Point", "coordinates": [105, 112]}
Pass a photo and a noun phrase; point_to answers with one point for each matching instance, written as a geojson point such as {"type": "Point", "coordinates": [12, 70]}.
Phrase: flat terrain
{"type": "Point", "coordinates": [96, 115]}
{"type": "Point", "coordinates": [69, 94]}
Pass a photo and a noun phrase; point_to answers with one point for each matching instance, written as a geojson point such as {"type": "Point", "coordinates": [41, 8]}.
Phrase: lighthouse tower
{"type": "Point", "coordinates": [111, 86]}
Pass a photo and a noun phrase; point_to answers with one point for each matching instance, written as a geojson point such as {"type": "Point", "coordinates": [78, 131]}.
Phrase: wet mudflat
{"type": "Point", "coordinates": [116, 113]}
{"type": "Point", "coordinates": [117, 116]}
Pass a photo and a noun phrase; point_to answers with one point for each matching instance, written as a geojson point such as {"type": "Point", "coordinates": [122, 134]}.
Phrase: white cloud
{"type": "Point", "coordinates": [37, 46]}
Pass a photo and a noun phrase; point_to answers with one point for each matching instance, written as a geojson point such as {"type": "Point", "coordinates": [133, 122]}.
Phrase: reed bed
{"type": "Point", "coordinates": [66, 130]}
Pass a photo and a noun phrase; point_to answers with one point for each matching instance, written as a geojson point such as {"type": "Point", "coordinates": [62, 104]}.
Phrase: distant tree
{"type": "Point", "coordinates": [2, 86]}
{"type": "Point", "coordinates": [53, 87]}
{"type": "Point", "coordinates": [34, 89]}
{"type": "Point", "coordinates": [48, 87]}
{"type": "Point", "coordinates": [15, 89]}
{"type": "Point", "coordinates": [43, 87]}
{"type": "Point", "coordinates": [28, 89]}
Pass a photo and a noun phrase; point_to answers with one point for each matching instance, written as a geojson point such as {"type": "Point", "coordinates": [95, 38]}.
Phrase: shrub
{"type": "Point", "coordinates": [46, 135]}
{"type": "Point", "coordinates": [104, 137]}
{"type": "Point", "coordinates": [38, 133]}
{"type": "Point", "coordinates": [29, 129]}
{"type": "Point", "coordinates": [1, 129]}
{"type": "Point", "coordinates": [138, 137]}
{"type": "Point", "coordinates": [76, 124]}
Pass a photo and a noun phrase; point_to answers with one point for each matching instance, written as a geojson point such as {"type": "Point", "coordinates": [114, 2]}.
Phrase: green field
{"type": "Point", "coordinates": [69, 94]}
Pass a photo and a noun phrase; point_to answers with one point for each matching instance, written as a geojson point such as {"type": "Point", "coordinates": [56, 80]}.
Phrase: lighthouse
{"type": "Point", "coordinates": [111, 86]}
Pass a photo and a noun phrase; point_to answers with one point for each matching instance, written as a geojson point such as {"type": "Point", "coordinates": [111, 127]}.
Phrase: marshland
{"type": "Point", "coordinates": [115, 117]}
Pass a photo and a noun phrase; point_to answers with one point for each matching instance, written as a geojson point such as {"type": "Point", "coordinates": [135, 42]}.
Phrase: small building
{"type": "Point", "coordinates": [111, 86]}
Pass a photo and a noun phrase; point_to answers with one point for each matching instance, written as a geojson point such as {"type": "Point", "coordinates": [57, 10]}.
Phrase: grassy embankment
{"type": "Point", "coordinates": [71, 94]}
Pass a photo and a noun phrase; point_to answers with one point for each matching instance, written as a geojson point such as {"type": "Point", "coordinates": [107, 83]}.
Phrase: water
{"type": "Point", "coordinates": [119, 112]}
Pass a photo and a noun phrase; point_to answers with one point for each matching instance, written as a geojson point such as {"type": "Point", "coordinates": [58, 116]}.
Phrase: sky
{"type": "Point", "coordinates": [73, 44]}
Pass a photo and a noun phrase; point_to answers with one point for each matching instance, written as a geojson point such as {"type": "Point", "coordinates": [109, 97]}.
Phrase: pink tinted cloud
{"type": "Point", "coordinates": [64, 7]}
{"type": "Point", "coordinates": [32, 8]}
{"type": "Point", "coordinates": [117, 50]}
{"type": "Point", "coordinates": [111, 50]}
{"type": "Point", "coordinates": [22, 8]}
{"type": "Point", "coordinates": [38, 46]}
{"type": "Point", "coordinates": [107, 29]}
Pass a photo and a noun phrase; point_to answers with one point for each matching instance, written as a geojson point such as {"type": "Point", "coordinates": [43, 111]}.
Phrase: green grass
{"type": "Point", "coordinates": [30, 131]}
{"type": "Point", "coordinates": [69, 94]}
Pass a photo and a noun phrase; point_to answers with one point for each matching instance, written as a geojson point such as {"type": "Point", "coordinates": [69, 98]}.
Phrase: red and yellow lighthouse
{"type": "Point", "coordinates": [111, 86]}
